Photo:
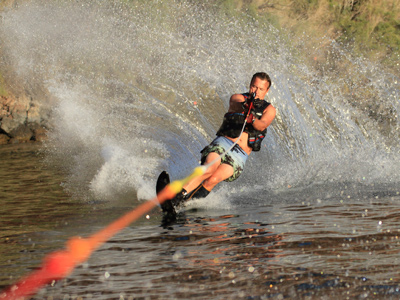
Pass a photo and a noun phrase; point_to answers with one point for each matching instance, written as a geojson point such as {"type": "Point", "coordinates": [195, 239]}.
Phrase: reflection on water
{"type": "Point", "coordinates": [338, 248]}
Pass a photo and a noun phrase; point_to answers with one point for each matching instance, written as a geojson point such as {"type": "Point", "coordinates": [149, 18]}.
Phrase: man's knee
{"type": "Point", "coordinates": [212, 181]}
{"type": "Point", "coordinates": [210, 170]}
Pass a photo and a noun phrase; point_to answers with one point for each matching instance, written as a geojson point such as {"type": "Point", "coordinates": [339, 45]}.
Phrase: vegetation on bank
{"type": "Point", "coordinates": [3, 91]}
{"type": "Point", "coordinates": [372, 24]}
{"type": "Point", "coordinates": [370, 27]}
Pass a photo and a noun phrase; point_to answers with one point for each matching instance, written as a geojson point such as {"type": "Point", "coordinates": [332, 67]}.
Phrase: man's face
{"type": "Point", "coordinates": [260, 87]}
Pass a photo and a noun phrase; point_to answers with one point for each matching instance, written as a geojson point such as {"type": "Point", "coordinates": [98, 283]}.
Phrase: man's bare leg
{"type": "Point", "coordinates": [224, 171]}
{"type": "Point", "coordinates": [195, 182]}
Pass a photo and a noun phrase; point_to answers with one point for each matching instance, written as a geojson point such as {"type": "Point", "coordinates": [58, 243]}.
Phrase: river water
{"type": "Point", "coordinates": [260, 247]}
{"type": "Point", "coordinates": [138, 87]}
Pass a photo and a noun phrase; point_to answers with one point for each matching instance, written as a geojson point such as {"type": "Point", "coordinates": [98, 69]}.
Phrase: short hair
{"type": "Point", "coordinates": [262, 76]}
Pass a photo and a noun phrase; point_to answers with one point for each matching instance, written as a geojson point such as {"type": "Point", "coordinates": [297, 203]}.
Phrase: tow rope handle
{"type": "Point", "coordinates": [251, 106]}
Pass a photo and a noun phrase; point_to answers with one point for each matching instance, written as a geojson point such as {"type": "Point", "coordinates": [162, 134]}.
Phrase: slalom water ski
{"type": "Point", "coordinates": [162, 181]}
{"type": "Point", "coordinates": [167, 206]}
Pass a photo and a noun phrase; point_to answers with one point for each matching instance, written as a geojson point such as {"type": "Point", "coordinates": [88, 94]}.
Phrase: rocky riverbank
{"type": "Point", "coordinates": [21, 120]}
{"type": "Point", "coordinates": [24, 112]}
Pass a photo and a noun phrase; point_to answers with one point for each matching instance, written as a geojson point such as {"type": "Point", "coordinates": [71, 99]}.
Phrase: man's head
{"type": "Point", "coordinates": [260, 84]}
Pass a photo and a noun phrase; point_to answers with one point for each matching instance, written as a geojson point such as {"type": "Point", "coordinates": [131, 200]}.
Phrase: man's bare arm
{"type": "Point", "coordinates": [235, 103]}
{"type": "Point", "coordinates": [266, 119]}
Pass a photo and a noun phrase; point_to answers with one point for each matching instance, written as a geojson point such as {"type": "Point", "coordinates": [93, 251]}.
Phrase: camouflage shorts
{"type": "Point", "coordinates": [236, 157]}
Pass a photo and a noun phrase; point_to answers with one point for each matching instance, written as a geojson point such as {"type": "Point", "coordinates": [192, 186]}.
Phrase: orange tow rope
{"type": "Point", "coordinates": [60, 264]}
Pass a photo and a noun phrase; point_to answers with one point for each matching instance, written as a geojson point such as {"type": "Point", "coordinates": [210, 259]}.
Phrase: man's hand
{"type": "Point", "coordinates": [248, 103]}
{"type": "Point", "coordinates": [246, 106]}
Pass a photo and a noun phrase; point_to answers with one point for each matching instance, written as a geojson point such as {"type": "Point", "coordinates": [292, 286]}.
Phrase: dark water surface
{"type": "Point", "coordinates": [343, 248]}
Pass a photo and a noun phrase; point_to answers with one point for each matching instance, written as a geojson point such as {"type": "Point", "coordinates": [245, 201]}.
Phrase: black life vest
{"type": "Point", "coordinates": [233, 123]}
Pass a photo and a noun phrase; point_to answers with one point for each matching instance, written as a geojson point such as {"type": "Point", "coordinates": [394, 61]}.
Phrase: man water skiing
{"type": "Point", "coordinates": [249, 108]}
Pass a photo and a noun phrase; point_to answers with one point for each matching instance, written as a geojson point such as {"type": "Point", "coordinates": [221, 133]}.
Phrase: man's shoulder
{"type": "Point", "coordinates": [270, 109]}
{"type": "Point", "coordinates": [237, 98]}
